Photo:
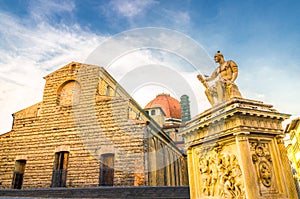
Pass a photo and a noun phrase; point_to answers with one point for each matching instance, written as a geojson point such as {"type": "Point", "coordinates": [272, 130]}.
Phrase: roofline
{"type": "Point", "coordinates": [6, 134]}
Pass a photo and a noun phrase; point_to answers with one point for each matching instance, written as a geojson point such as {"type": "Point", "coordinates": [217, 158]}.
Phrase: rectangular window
{"type": "Point", "coordinates": [152, 112]}
{"type": "Point", "coordinates": [107, 90]}
{"type": "Point", "coordinates": [59, 175]}
{"type": "Point", "coordinates": [18, 174]}
{"type": "Point", "coordinates": [107, 170]}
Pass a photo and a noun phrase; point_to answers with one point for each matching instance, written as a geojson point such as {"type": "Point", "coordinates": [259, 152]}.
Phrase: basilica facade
{"type": "Point", "coordinates": [87, 132]}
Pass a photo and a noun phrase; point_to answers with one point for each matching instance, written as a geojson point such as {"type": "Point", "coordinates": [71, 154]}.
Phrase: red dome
{"type": "Point", "coordinates": [170, 105]}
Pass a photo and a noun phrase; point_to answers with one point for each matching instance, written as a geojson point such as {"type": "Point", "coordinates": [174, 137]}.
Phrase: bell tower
{"type": "Point", "coordinates": [185, 109]}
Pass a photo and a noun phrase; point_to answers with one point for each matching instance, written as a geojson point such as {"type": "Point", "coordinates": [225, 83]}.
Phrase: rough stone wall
{"type": "Point", "coordinates": [35, 139]}
{"type": "Point", "coordinates": [100, 119]}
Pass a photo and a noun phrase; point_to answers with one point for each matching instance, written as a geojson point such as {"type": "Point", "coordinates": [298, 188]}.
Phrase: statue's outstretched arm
{"type": "Point", "coordinates": [202, 80]}
{"type": "Point", "coordinates": [213, 76]}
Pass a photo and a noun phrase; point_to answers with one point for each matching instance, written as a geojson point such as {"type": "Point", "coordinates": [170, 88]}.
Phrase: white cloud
{"type": "Point", "coordinates": [179, 19]}
{"type": "Point", "coordinates": [182, 18]}
{"type": "Point", "coordinates": [130, 8]}
{"type": "Point", "coordinates": [149, 61]}
{"type": "Point", "coordinates": [145, 73]}
{"type": "Point", "coordinates": [31, 51]}
{"type": "Point", "coordinates": [41, 10]}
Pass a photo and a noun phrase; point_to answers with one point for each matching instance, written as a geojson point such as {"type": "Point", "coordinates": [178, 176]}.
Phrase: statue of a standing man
{"type": "Point", "coordinates": [223, 88]}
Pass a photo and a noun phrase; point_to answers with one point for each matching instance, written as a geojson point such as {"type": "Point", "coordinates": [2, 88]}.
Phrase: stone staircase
{"type": "Point", "coordinates": [100, 192]}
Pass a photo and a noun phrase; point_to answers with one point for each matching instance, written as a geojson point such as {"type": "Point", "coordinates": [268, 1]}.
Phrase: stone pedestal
{"type": "Point", "coordinates": [235, 150]}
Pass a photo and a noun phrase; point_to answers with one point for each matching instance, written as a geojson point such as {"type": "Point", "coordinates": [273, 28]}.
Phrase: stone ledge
{"type": "Point", "coordinates": [101, 192]}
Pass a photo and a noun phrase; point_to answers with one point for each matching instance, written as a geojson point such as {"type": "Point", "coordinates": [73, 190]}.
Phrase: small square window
{"type": "Point", "coordinates": [152, 112]}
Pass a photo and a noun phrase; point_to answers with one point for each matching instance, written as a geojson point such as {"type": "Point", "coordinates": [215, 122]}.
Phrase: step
{"type": "Point", "coordinates": [101, 192]}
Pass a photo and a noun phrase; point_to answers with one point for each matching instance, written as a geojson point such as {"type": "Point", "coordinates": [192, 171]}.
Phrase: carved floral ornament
{"type": "Point", "coordinates": [262, 160]}
{"type": "Point", "coordinates": [220, 173]}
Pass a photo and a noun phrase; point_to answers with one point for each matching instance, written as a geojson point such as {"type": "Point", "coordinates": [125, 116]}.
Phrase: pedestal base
{"type": "Point", "coordinates": [235, 150]}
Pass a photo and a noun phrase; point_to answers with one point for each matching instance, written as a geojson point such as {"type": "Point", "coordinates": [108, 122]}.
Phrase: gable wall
{"type": "Point", "coordinates": [96, 125]}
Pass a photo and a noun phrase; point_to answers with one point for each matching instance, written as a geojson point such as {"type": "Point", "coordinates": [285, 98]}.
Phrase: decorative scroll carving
{"type": "Point", "coordinates": [220, 174]}
{"type": "Point", "coordinates": [279, 139]}
{"type": "Point", "coordinates": [263, 162]}
{"type": "Point", "coordinates": [265, 173]}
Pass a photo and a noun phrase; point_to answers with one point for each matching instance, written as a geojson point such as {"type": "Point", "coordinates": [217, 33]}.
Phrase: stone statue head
{"type": "Point", "coordinates": [218, 56]}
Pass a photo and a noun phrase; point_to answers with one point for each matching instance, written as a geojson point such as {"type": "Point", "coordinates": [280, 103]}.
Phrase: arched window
{"type": "Point", "coordinates": [161, 165]}
{"type": "Point", "coordinates": [69, 93]}
{"type": "Point", "coordinates": [152, 162]}
{"type": "Point", "coordinates": [117, 94]}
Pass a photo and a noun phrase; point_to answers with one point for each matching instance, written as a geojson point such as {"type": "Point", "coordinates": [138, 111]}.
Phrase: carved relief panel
{"type": "Point", "coordinates": [219, 172]}
{"type": "Point", "coordinates": [263, 163]}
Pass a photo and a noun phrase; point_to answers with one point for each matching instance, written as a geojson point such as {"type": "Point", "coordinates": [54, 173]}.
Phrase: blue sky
{"type": "Point", "coordinates": [262, 37]}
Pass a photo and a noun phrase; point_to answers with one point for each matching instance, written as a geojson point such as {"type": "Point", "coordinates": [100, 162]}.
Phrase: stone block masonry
{"type": "Point", "coordinates": [84, 115]}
